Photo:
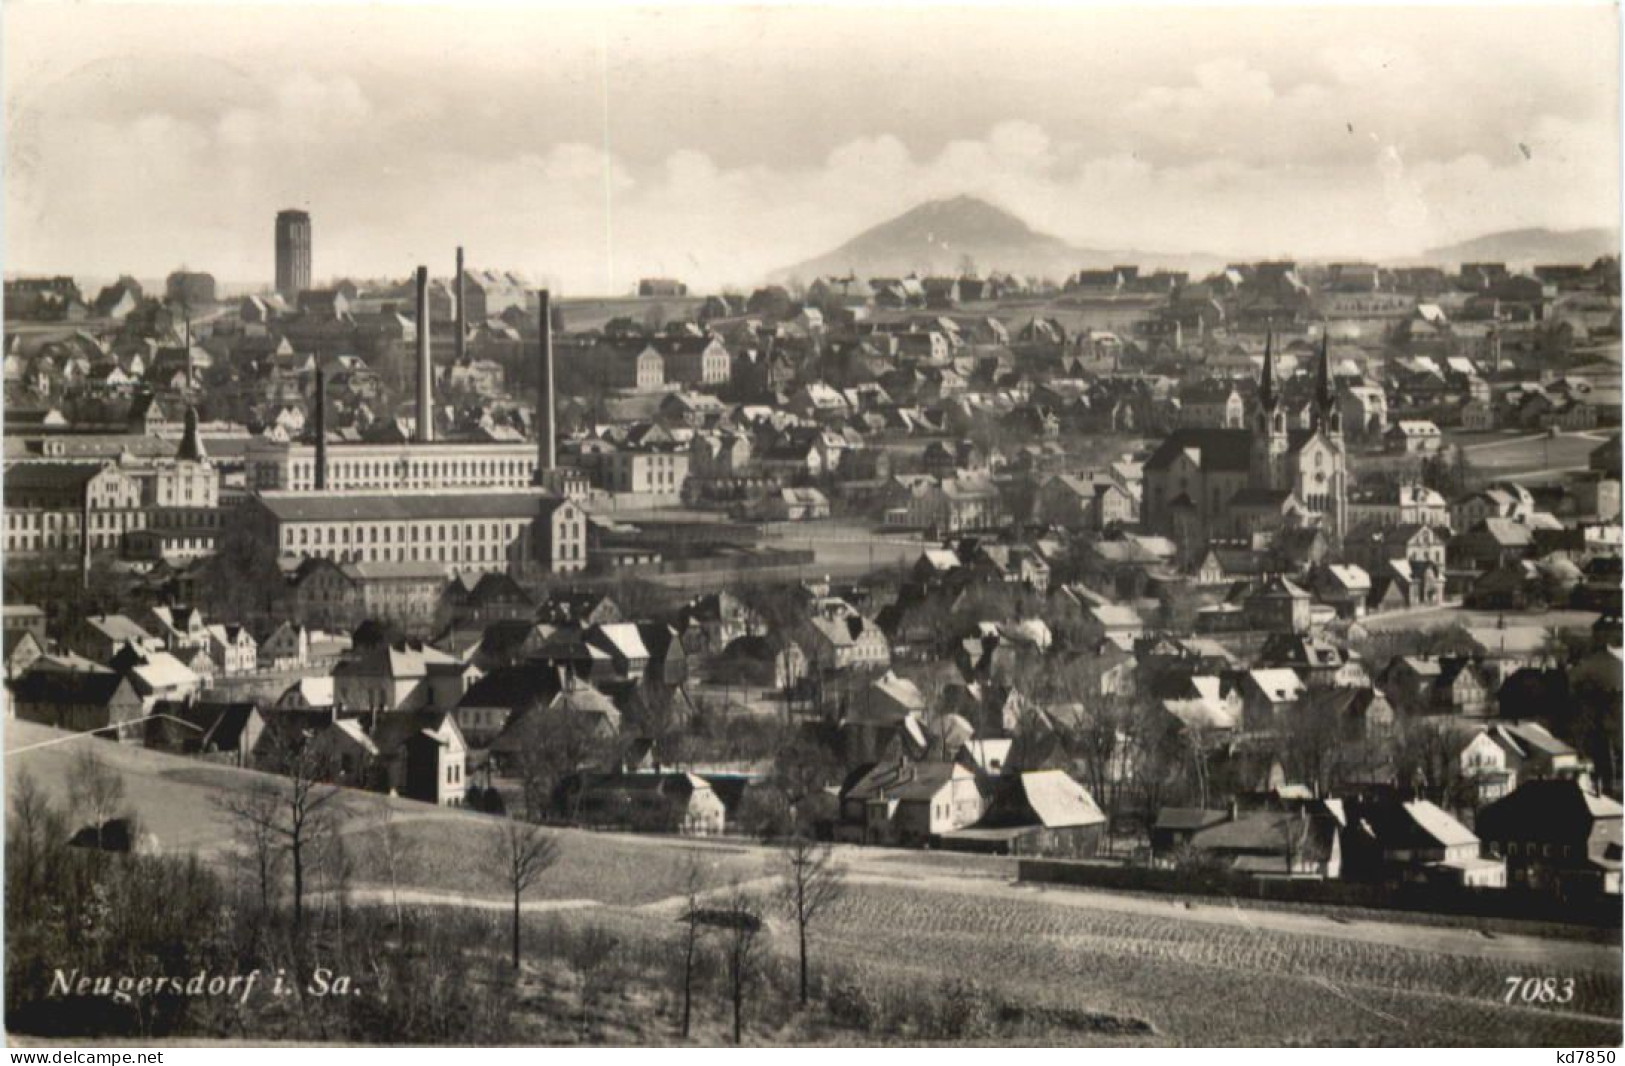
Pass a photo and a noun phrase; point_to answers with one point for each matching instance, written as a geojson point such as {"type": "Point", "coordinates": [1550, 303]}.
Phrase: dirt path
{"type": "Point", "coordinates": [415, 897]}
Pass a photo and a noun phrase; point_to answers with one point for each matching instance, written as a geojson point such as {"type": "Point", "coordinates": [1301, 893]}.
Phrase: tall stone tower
{"type": "Point", "coordinates": [292, 253]}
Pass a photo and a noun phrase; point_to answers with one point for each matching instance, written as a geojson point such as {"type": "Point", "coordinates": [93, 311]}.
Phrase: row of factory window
{"type": "Point", "coordinates": [381, 472]}
{"type": "Point", "coordinates": [50, 542]}
{"type": "Point", "coordinates": [309, 536]}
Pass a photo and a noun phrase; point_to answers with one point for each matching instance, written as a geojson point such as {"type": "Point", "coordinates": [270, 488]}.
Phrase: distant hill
{"type": "Point", "coordinates": [944, 236]}
{"type": "Point", "coordinates": [1529, 247]}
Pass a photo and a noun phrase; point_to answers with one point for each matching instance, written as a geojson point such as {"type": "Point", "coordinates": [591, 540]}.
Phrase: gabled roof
{"type": "Point", "coordinates": [1213, 449]}
{"type": "Point", "coordinates": [68, 688]}
{"type": "Point", "coordinates": [1277, 684]}
{"type": "Point", "coordinates": [623, 637]}
{"type": "Point", "coordinates": [1058, 801]}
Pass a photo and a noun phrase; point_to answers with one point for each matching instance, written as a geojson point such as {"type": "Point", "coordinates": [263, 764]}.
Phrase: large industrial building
{"type": "Point", "coordinates": [469, 507]}
{"type": "Point", "coordinates": [272, 466]}
{"type": "Point", "coordinates": [466, 531]}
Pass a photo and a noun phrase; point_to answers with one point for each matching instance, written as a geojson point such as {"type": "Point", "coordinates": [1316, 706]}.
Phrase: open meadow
{"type": "Point", "coordinates": [1086, 966]}
{"type": "Point", "coordinates": [1495, 455]}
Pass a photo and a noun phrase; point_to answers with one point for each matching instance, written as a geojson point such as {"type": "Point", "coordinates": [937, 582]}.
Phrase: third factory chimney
{"type": "Point", "coordinates": [546, 458]}
{"type": "Point", "coordinates": [425, 365]}
{"type": "Point", "coordinates": [462, 312]}
{"type": "Point", "coordinates": [321, 429]}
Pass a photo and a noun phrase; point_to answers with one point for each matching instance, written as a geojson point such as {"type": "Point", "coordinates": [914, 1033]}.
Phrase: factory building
{"type": "Point", "coordinates": [272, 466]}
{"type": "Point", "coordinates": [465, 531]}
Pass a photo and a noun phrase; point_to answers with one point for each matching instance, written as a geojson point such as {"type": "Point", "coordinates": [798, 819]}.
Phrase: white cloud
{"type": "Point", "coordinates": [1373, 142]}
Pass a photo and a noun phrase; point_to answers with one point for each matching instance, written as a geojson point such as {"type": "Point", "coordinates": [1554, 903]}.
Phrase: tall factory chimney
{"type": "Point", "coordinates": [425, 366]}
{"type": "Point", "coordinates": [321, 429]}
{"type": "Point", "coordinates": [462, 312]}
{"type": "Point", "coordinates": [546, 457]}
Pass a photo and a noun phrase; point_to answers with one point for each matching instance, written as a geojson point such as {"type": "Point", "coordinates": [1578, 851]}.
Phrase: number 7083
{"type": "Point", "coordinates": [1540, 989]}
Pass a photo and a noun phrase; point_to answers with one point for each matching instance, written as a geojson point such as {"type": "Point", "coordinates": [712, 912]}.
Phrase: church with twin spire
{"type": "Point", "coordinates": [1206, 484]}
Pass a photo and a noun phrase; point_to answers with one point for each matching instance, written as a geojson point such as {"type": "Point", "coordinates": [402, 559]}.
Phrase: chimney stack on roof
{"type": "Point", "coordinates": [425, 366]}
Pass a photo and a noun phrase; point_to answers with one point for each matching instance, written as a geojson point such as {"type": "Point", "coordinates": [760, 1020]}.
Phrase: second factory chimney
{"type": "Point", "coordinates": [425, 366]}
{"type": "Point", "coordinates": [321, 429]}
{"type": "Point", "coordinates": [546, 457]}
{"type": "Point", "coordinates": [462, 312]}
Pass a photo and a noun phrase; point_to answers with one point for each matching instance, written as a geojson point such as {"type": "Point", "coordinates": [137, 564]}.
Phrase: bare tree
{"type": "Point", "coordinates": [393, 850]}
{"type": "Point", "coordinates": [95, 790]}
{"type": "Point", "coordinates": [810, 881]}
{"type": "Point", "coordinates": [293, 812]}
{"type": "Point", "coordinates": [256, 835]}
{"type": "Point", "coordinates": [592, 955]}
{"type": "Point", "coordinates": [556, 742]}
{"type": "Point", "coordinates": [520, 855]}
{"type": "Point", "coordinates": [693, 927]}
{"type": "Point", "coordinates": [32, 826]}
{"type": "Point", "coordinates": [741, 922]}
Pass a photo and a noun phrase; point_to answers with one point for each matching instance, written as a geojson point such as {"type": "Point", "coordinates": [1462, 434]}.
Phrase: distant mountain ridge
{"type": "Point", "coordinates": [949, 236]}
{"type": "Point", "coordinates": [1529, 247]}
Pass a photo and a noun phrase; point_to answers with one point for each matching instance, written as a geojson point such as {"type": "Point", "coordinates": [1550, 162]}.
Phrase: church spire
{"type": "Point", "coordinates": [191, 449]}
{"type": "Point", "coordinates": [1266, 384]}
{"type": "Point", "coordinates": [1324, 397]}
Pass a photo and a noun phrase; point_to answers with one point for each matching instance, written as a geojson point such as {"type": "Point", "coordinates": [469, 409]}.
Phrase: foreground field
{"type": "Point", "coordinates": [1195, 973]}
{"type": "Point", "coordinates": [1204, 983]}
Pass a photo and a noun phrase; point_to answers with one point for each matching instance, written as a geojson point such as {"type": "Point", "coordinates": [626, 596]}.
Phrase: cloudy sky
{"type": "Point", "coordinates": [587, 149]}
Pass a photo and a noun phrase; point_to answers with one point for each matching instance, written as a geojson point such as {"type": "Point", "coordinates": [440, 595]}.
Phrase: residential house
{"type": "Point", "coordinates": [1505, 754]}
{"type": "Point", "coordinates": [1041, 812]}
{"type": "Point", "coordinates": [1297, 843]}
{"type": "Point", "coordinates": [908, 803]}
{"type": "Point", "coordinates": [665, 802]}
{"type": "Point", "coordinates": [233, 650]}
{"type": "Point", "coordinates": [1417, 684]}
{"type": "Point", "coordinates": [79, 701]}
{"type": "Point", "coordinates": [1269, 696]}
{"type": "Point", "coordinates": [1413, 437]}
{"type": "Point", "coordinates": [423, 756]}
{"type": "Point", "coordinates": [1414, 842]}
{"type": "Point", "coordinates": [839, 642]}
{"type": "Point", "coordinates": [287, 647]}
{"type": "Point", "coordinates": [1558, 837]}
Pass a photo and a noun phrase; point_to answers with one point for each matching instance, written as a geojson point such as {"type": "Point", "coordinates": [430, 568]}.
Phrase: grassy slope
{"type": "Point", "coordinates": [1194, 982]}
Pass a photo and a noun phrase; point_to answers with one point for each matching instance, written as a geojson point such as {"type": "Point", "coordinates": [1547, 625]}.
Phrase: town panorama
{"type": "Point", "coordinates": [960, 638]}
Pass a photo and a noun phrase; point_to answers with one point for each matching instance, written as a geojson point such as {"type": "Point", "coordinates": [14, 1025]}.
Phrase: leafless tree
{"type": "Point", "coordinates": [520, 854]}
{"type": "Point", "coordinates": [32, 825]}
{"type": "Point", "coordinates": [810, 881]}
{"type": "Point", "coordinates": [693, 927]}
{"type": "Point", "coordinates": [393, 850]}
{"type": "Point", "coordinates": [95, 790]}
{"type": "Point", "coordinates": [741, 921]}
{"type": "Point", "coordinates": [555, 743]}
{"type": "Point", "coordinates": [591, 956]}
{"type": "Point", "coordinates": [254, 830]}
{"type": "Point", "coordinates": [1427, 757]}
{"type": "Point", "coordinates": [295, 812]}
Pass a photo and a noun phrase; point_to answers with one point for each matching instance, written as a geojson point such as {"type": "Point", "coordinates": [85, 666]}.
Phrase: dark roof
{"type": "Point", "coordinates": [1189, 818]}
{"type": "Point", "coordinates": [1259, 497]}
{"type": "Point", "coordinates": [68, 688]}
{"type": "Point", "coordinates": [397, 727]}
{"type": "Point", "coordinates": [422, 507]}
{"type": "Point", "coordinates": [513, 687]}
{"type": "Point", "coordinates": [1548, 810]}
{"type": "Point", "coordinates": [1221, 449]}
